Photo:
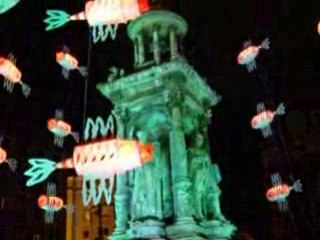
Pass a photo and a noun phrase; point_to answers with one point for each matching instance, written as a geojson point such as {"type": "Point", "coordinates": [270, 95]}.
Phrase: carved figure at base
{"type": "Point", "coordinates": [145, 188]}
{"type": "Point", "coordinates": [204, 178]}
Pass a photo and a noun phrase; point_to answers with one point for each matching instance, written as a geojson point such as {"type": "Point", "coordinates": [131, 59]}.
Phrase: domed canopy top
{"type": "Point", "coordinates": [164, 21]}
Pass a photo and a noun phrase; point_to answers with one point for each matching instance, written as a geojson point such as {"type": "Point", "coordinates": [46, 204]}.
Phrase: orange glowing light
{"type": "Point", "coordinates": [59, 56]}
{"type": "Point", "coordinates": [42, 201]}
{"type": "Point", "coordinates": [146, 153]}
{"type": "Point", "coordinates": [52, 123]}
{"type": "Point", "coordinates": [3, 155]}
{"type": "Point", "coordinates": [143, 5]}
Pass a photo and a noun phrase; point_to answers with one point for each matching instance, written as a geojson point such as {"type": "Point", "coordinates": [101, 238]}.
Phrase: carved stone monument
{"type": "Point", "coordinates": [165, 102]}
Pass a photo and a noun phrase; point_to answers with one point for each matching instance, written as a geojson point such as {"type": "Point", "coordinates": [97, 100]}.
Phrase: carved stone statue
{"type": "Point", "coordinates": [146, 188]}
{"type": "Point", "coordinates": [204, 178]}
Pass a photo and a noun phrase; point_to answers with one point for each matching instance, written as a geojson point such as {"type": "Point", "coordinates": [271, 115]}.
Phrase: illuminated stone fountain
{"type": "Point", "coordinates": [165, 101]}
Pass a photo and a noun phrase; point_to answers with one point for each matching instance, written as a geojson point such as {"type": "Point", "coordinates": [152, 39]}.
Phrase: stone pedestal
{"type": "Point", "coordinates": [217, 230]}
{"type": "Point", "coordinates": [185, 229]}
{"type": "Point", "coordinates": [149, 229]}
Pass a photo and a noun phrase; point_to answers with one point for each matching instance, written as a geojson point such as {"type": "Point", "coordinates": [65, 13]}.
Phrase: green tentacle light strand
{"type": "Point", "coordinates": [56, 19]}
{"type": "Point", "coordinates": [40, 169]}
{"type": "Point", "coordinates": [98, 126]}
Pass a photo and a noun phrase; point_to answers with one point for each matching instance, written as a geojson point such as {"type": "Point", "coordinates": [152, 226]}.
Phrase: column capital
{"type": "Point", "coordinates": [174, 98]}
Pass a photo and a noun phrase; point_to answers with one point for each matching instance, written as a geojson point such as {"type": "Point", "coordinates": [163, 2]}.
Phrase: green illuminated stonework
{"type": "Point", "coordinates": [165, 101]}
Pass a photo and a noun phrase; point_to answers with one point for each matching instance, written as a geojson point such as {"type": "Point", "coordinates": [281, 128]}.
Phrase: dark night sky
{"type": "Point", "coordinates": [217, 30]}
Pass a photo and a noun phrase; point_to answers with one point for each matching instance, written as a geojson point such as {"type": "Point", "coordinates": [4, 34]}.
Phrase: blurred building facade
{"type": "Point", "coordinates": [86, 222]}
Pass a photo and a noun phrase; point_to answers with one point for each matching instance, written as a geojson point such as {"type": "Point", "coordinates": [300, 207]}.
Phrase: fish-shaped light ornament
{"type": "Point", "coordinates": [61, 129]}
{"type": "Point", "coordinates": [250, 52]}
{"type": "Point", "coordinates": [94, 161]}
{"type": "Point", "coordinates": [12, 163]}
{"type": "Point", "coordinates": [68, 63]}
{"type": "Point", "coordinates": [280, 191]}
{"type": "Point", "coordinates": [51, 204]}
{"type": "Point", "coordinates": [6, 5]}
{"type": "Point", "coordinates": [12, 75]}
{"type": "Point", "coordinates": [102, 15]}
{"type": "Point", "coordinates": [265, 117]}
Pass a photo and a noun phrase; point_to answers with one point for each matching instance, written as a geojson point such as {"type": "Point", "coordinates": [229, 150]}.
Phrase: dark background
{"type": "Point", "coordinates": [287, 72]}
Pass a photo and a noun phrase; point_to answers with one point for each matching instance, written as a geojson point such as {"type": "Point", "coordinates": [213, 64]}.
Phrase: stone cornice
{"type": "Point", "coordinates": [157, 80]}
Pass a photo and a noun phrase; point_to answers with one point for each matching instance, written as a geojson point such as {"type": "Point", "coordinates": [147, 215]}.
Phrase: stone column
{"type": "Point", "coordinates": [121, 194]}
{"type": "Point", "coordinates": [156, 46]}
{"type": "Point", "coordinates": [173, 44]}
{"type": "Point", "coordinates": [158, 163]}
{"type": "Point", "coordinates": [141, 52]}
{"type": "Point", "coordinates": [167, 198]}
{"type": "Point", "coordinates": [179, 171]}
